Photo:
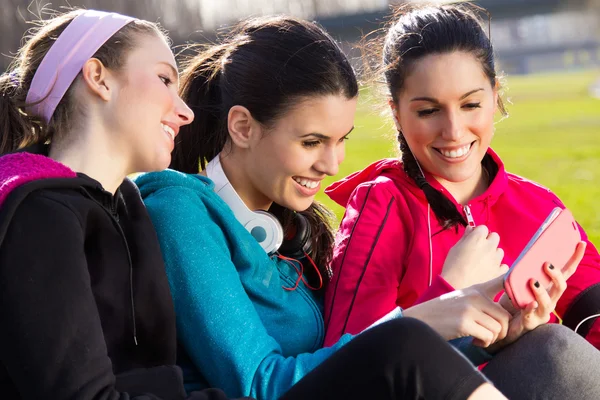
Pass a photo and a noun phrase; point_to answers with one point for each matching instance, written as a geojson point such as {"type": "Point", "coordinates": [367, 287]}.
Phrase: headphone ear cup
{"type": "Point", "coordinates": [297, 240]}
{"type": "Point", "coordinates": [266, 229]}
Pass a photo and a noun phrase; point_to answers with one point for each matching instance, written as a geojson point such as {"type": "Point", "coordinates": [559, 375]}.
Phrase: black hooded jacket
{"type": "Point", "coordinates": [85, 305]}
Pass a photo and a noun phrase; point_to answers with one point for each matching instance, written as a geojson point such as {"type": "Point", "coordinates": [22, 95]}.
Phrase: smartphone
{"type": "Point", "coordinates": [554, 242]}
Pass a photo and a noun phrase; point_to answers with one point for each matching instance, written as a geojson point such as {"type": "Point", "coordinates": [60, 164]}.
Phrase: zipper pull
{"type": "Point", "coordinates": [470, 219]}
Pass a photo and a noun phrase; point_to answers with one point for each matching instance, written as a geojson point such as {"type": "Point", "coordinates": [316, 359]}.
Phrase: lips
{"type": "Point", "coordinates": [455, 152]}
{"type": "Point", "coordinates": [307, 187]}
{"type": "Point", "coordinates": [307, 183]}
{"type": "Point", "coordinates": [169, 131]}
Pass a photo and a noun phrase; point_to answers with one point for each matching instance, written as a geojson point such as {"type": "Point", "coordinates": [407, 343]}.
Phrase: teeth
{"type": "Point", "coordinates": [307, 183]}
{"type": "Point", "coordinates": [456, 153]}
{"type": "Point", "coordinates": [169, 131]}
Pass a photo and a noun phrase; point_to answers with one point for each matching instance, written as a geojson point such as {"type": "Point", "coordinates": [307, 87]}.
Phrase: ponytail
{"type": "Point", "coordinates": [16, 128]}
{"type": "Point", "coordinates": [444, 210]}
{"type": "Point", "coordinates": [201, 141]}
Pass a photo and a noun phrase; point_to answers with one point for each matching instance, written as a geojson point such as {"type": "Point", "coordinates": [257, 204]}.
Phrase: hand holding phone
{"type": "Point", "coordinates": [554, 242]}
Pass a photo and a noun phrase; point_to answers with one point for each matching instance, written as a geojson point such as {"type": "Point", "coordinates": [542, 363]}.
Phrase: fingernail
{"type": "Point", "coordinates": [536, 284]}
{"type": "Point", "coordinates": [551, 266]}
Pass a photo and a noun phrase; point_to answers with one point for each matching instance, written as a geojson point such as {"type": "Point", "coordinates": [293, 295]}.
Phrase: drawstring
{"type": "Point", "coordinates": [300, 272]}
{"type": "Point", "coordinates": [132, 302]}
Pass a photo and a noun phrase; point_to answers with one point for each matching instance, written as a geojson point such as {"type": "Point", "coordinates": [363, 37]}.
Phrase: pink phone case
{"type": "Point", "coordinates": [555, 243]}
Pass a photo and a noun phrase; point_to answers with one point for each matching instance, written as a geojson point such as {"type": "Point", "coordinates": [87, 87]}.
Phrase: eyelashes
{"type": "Point", "coordinates": [314, 143]}
{"type": "Point", "coordinates": [166, 80]}
{"type": "Point", "coordinates": [430, 111]}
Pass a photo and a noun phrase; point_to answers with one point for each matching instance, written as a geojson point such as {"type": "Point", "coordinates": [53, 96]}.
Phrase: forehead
{"type": "Point", "coordinates": [329, 115]}
{"type": "Point", "coordinates": [452, 73]}
{"type": "Point", "coordinates": [150, 48]}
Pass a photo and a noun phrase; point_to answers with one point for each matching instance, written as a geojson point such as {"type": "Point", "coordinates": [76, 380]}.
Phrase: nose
{"type": "Point", "coordinates": [183, 112]}
{"type": "Point", "coordinates": [452, 130]}
{"type": "Point", "coordinates": [330, 160]}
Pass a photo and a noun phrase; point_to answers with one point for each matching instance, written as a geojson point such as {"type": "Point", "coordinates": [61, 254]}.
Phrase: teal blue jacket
{"type": "Point", "coordinates": [241, 330]}
{"type": "Point", "coordinates": [238, 328]}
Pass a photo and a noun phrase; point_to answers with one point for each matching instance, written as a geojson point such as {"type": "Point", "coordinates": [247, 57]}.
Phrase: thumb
{"type": "Point", "coordinates": [467, 232]}
{"type": "Point", "coordinates": [492, 287]}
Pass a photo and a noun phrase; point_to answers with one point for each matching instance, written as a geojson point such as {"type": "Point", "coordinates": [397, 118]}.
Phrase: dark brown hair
{"type": "Point", "coordinates": [265, 65]}
{"type": "Point", "coordinates": [418, 31]}
{"type": "Point", "coordinates": [17, 129]}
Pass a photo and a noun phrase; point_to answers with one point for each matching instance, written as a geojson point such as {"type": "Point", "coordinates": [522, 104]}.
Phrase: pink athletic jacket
{"type": "Point", "coordinates": [381, 259]}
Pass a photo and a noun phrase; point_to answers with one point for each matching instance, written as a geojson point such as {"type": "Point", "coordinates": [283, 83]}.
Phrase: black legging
{"type": "Point", "coordinates": [401, 359]}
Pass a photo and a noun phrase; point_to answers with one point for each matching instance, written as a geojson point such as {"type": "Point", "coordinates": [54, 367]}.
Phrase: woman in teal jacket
{"type": "Point", "coordinates": [273, 105]}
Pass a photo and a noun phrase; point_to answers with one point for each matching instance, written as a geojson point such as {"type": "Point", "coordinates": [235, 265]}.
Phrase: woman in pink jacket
{"type": "Point", "coordinates": [404, 216]}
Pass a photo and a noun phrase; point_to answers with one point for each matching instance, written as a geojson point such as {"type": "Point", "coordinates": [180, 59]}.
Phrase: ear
{"type": "Point", "coordinates": [95, 76]}
{"type": "Point", "coordinates": [240, 124]}
{"type": "Point", "coordinates": [394, 109]}
{"type": "Point", "coordinates": [495, 91]}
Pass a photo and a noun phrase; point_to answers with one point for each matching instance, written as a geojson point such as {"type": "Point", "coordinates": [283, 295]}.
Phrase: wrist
{"type": "Point", "coordinates": [415, 312]}
{"type": "Point", "coordinates": [453, 281]}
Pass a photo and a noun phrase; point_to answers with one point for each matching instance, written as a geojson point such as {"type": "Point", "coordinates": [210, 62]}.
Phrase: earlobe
{"type": "Point", "coordinates": [496, 94]}
{"type": "Point", "coordinates": [94, 75]}
{"type": "Point", "coordinates": [394, 109]}
{"type": "Point", "coordinates": [239, 125]}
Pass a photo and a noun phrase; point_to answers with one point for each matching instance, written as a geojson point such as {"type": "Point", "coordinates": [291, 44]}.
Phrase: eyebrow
{"type": "Point", "coordinates": [321, 136]}
{"type": "Point", "coordinates": [432, 100]}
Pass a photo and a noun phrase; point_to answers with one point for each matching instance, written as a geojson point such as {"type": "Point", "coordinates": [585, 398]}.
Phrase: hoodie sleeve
{"type": "Point", "coordinates": [217, 323]}
{"type": "Point", "coordinates": [51, 343]}
{"type": "Point", "coordinates": [371, 244]}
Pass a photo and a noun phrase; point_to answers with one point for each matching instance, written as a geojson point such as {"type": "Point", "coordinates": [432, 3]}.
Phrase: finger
{"type": "Point", "coordinates": [492, 287]}
{"type": "Point", "coordinates": [504, 268]}
{"type": "Point", "coordinates": [480, 334]}
{"type": "Point", "coordinates": [480, 231]}
{"type": "Point", "coordinates": [529, 311]}
{"type": "Point", "coordinates": [499, 254]}
{"type": "Point", "coordinates": [493, 239]}
{"type": "Point", "coordinates": [492, 325]}
{"type": "Point", "coordinates": [545, 304]}
{"type": "Point", "coordinates": [498, 314]}
{"type": "Point", "coordinates": [468, 230]}
{"type": "Point", "coordinates": [559, 283]}
{"type": "Point", "coordinates": [571, 265]}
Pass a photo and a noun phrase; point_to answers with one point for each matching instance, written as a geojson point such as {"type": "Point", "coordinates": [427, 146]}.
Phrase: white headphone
{"type": "Point", "coordinates": [262, 225]}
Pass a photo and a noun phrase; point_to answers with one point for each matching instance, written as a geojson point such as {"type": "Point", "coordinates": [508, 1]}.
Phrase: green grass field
{"type": "Point", "coordinates": [552, 136]}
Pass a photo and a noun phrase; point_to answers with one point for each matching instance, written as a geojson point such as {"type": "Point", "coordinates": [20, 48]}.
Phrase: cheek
{"type": "Point", "coordinates": [420, 130]}
{"type": "Point", "coordinates": [483, 125]}
{"type": "Point", "coordinates": [341, 155]}
{"type": "Point", "coordinates": [419, 137]}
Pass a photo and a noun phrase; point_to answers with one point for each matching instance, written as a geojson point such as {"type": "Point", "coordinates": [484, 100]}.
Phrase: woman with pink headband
{"type": "Point", "coordinates": [85, 306]}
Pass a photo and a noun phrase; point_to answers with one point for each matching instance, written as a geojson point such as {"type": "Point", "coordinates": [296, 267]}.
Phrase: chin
{"type": "Point", "coordinates": [298, 205]}
{"type": "Point", "coordinates": [162, 162]}
{"type": "Point", "coordinates": [457, 178]}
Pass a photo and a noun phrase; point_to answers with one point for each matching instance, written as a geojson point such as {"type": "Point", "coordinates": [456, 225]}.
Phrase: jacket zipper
{"type": "Point", "coordinates": [469, 216]}
{"type": "Point", "coordinates": [124, 238]}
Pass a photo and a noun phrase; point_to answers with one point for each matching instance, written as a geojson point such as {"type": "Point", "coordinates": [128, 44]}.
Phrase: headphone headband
{"type": "Point", "coordinates": [263, 226]}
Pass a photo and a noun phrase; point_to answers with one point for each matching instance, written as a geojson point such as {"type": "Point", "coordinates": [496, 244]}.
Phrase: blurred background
{"type": "Point", "coordinates": [549, 51]}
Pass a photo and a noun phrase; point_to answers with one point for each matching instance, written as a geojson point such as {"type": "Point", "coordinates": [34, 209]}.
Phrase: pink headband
{"type": "Point", "coordinates": [63, 62]}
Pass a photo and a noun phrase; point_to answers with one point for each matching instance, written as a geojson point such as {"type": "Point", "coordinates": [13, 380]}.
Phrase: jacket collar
{"type": "Point", "coordinates": [491, 194]}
